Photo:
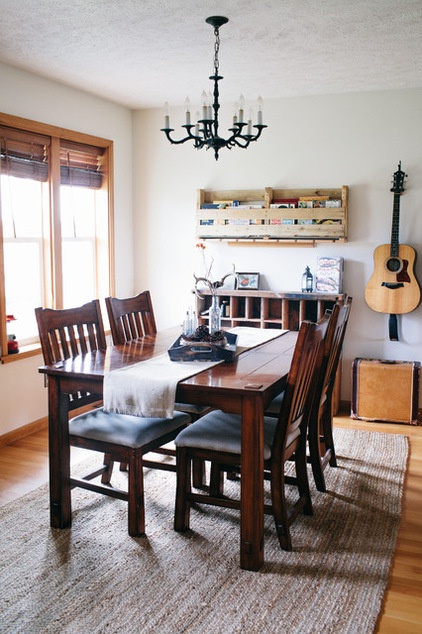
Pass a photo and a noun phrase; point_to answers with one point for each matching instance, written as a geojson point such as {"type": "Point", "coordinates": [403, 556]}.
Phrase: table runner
{"type": "Point", "coordinates": [148, 388]}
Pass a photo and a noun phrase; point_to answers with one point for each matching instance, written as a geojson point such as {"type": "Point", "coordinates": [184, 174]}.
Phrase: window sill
{"type": "Point", "coordinates": [24, 352]}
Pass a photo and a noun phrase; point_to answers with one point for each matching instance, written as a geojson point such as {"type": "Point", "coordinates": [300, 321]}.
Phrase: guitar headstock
{"type": "Point", "coordinates": [398, 180]}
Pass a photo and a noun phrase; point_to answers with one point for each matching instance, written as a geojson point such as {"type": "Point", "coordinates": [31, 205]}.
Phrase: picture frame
{"type": "Point", "coordinates": [247, 281]}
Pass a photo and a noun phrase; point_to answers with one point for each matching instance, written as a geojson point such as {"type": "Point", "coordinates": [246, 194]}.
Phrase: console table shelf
{"type": "Point", "coordinates": [271, 309]}
{"type": "Point", "coordinates": [267, 309]}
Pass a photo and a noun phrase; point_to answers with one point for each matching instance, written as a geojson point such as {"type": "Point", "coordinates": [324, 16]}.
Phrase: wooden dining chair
{"type": "Point", "coordinates": [216, 437]}
{"type": "Point", "coordinates": [126, 439]}
{"type": "Point", "coordinates": [321, 449]}
{"type": "Point", "coordinates": [320, 434]}
{"type": "Point", "coordinates": [69, 332]}
{"type": "Point", "coordinates": [131, 318]}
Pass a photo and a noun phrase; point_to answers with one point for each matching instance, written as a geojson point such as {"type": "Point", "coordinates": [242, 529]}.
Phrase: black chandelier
{"type": "Point", "coordinates": [204, 133]}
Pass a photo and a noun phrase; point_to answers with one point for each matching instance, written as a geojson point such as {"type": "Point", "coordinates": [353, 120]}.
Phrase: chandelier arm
{"type": "Point", "coordinates": [242, 145]}
{"type": "Point", "coordinates": [248, 138]}
{"type": "Point", "coordinates": [190, 137]}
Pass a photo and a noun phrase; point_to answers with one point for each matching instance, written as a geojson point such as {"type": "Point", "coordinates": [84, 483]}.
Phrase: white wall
{"type": "Point", "coordinates": [22, 393]}
{"type": "Point", "coordinates": [315, 142]}
{"type": "Point", "coordinates": [354, 140]}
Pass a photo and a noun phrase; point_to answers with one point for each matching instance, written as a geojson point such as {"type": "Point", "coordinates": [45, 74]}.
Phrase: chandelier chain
{"type": "Point", "coordinates": [216, 49]}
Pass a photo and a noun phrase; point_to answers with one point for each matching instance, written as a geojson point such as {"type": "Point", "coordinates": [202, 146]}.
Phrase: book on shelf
{"type": "Point", "coordinates": [284, 202]}
{"type": "Point", "coordinates": [237, 221]}
{"type": "Point", "coordinates": [250, 205]}
{"type": "Point", "coordinates": [222, 204]}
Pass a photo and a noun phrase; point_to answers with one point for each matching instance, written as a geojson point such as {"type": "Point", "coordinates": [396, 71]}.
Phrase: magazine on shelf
{"type": "Point", "coordinates": [329, 275]}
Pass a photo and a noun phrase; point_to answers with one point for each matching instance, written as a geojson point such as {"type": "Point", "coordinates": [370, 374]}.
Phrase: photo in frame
{"type": "Point", "coordinates": [247, 281]}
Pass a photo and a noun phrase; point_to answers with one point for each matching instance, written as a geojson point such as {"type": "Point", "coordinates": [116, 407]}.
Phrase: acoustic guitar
{"type": "Point", "coordinates": [393, 287]}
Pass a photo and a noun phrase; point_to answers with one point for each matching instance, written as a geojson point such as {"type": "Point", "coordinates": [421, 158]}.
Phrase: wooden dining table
{"type": "Point", "coordinates": [243, 386]}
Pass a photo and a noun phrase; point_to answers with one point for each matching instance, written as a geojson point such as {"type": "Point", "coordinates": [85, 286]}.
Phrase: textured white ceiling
{"type": "Point", "coordinates": [141, 52]}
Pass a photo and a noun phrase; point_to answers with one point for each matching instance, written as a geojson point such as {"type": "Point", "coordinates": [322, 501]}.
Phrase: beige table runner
{"type": "Point", "coordinates": [149, 388]}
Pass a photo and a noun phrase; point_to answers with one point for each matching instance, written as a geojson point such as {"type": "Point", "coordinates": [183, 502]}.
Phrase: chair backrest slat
{"type": "Point", "coordinates": [131, 318]}
{"type": "Point", "coordinates": [67, 332]}
{"type": "Point", "coordinates": [300, 388]}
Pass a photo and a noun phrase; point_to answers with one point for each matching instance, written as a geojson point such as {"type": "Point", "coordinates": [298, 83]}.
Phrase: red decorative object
{"type": "Point", "coordinates": [12, 344]}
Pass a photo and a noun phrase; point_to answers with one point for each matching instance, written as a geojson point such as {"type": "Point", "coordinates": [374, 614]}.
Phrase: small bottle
{"type": "Point", "coordinates": [194, 322]}
{"type": "Point", "coordinates": [187, 329]}
{"type": "Point", "coordinates": [214, 315]}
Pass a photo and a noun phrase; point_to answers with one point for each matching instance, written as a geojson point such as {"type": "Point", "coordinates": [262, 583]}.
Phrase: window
{"type": "Point", "coordinates": [55, 221]}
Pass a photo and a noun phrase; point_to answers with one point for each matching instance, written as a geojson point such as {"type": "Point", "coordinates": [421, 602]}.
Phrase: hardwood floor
{"type": "Point", "coordinates": [24, 467]}
{"type": "Point", "coordinates": [402, 611]}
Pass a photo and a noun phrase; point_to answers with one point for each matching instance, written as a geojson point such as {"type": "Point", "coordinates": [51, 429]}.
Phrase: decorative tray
{"type": "Point", "coordinates": [183, 350]}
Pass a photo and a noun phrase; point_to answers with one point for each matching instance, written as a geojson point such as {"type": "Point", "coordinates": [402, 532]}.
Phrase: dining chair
{"type": "Point", "coordinates": [65, 333]}
{"type": "Point", "coordinates": [69, 332]}
{"type": "Point", "coordinates": [320, 440]}
{"type": "Point", "coordinates": [321, 449]}
{"type": "Point", "coordinates": [216, 437]}
{"type": "Point", "coordinates": [131, 318]}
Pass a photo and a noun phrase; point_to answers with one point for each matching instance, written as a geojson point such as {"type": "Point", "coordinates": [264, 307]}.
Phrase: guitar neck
{"type": "Point", "coordinates": [394, 250]}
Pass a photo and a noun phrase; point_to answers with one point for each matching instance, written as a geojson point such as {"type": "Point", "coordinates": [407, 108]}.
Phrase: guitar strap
{"type": "Point", "coordinates": [392, 327]}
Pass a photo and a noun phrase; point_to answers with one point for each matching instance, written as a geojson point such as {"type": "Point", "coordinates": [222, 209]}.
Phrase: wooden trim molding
{"type": "Point", "coordinates": [25, 430]}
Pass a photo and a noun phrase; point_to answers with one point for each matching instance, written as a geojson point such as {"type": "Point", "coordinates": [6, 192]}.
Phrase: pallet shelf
{"type": "Point", "coordinates": [269, 224]}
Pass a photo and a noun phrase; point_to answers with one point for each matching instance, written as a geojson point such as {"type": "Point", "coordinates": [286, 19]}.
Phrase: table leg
{"type": "Point", "coordinates": [59, 455]}
{"type": "Point", "coordinates": [252, 484]}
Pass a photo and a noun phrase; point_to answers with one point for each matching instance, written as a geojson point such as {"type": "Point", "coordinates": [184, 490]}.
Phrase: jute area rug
{"type": "Point", "coordinates": [94, 578]}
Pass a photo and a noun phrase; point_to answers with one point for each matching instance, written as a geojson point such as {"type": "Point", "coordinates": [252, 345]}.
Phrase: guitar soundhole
{"type": "Point", "coordinates": [394, 265]}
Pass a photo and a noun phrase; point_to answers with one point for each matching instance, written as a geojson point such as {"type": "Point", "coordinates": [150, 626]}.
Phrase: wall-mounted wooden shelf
{"type": "Point", "coordinates": [256, 218]}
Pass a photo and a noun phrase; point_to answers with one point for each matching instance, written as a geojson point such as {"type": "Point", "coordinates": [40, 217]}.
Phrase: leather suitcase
{"type": "Point", "coordinates": [385, 390]}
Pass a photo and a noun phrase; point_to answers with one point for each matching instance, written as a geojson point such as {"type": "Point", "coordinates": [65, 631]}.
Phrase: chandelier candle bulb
{"type": "Point", "coordinates": [166, 116]}
{"type": "Point", "coordinates": [260, 106]}
{"type": "Point", "coordinates": [187, 111]}
{"type": "Point", "coordinates": [250, 122]}
{"type": "Point", "coordinates": [204, 105]}
{"type": "Point", "coordinates": [241, 108]}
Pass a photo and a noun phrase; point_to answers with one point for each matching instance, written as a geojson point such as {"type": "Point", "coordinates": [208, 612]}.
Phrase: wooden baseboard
{"type": "Point", "coordinates": [38, 425]}
{"type": "Point", "coordinates": [21, 432]}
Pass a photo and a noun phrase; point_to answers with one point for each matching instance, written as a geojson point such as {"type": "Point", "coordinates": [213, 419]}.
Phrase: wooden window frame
{"type": "Point", "coordinates": [57, 135]}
